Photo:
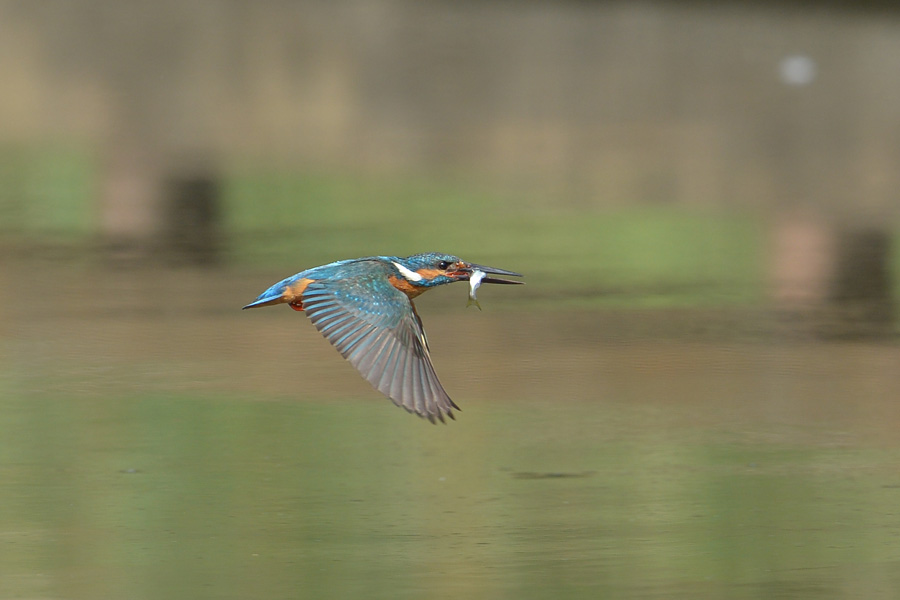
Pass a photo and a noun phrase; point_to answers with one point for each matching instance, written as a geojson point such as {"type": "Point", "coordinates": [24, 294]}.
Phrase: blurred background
{"type": "Point", "coordinates": [695, 394]}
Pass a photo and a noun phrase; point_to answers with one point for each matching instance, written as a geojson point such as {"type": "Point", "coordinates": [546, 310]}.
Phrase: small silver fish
{"type": "Point", "coordinates": [474, 283]}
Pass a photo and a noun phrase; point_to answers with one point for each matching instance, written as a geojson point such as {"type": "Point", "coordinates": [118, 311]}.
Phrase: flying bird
{"type": "Point", "coordinates": [364, 307]}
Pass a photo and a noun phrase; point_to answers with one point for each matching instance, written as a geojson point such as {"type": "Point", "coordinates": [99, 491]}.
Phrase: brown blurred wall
{"type": "Point", "coordinates": [607, 103]}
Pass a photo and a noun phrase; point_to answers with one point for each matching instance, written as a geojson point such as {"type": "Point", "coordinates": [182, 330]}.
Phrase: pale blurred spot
{"type": "Point", "coordinates": [797, 69]}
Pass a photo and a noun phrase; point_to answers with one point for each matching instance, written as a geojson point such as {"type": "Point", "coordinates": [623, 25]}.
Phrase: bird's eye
{"type": "Point", "coordinates": [444, 265]}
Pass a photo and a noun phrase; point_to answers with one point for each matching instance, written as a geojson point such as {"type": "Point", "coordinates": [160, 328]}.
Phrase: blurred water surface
{"type": "Point", "coordinates": [157, 442]}
{"type": "Point", "coordinates": [695, 396]}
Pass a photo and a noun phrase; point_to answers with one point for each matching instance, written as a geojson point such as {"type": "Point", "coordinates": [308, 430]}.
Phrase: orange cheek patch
{"type": "Point", "coordinates": [406, 287]}
{"type": "Point", "coordinates": [429, 274]}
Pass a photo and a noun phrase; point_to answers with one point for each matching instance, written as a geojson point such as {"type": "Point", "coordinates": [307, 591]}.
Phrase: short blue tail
{"type": "Point", "coordinates": [267, 301]}
{"type": "Point", "coordinates": [273, 295]}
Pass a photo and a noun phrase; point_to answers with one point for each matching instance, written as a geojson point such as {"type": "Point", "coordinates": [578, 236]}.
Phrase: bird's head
{"type": "Point", "coordinates": [434, 268]}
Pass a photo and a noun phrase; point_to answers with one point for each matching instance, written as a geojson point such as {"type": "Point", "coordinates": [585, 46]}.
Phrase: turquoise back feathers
{"type": "Point", "coordinates": [364, 307]}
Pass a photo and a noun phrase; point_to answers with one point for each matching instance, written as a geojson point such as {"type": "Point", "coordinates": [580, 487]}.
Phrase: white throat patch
{"type": "Point", "coordinates": [410, 275]}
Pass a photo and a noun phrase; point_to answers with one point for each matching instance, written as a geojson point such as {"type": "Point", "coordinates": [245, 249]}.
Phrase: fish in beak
{"type": "Point", "coordinates": [467, 270]}
{"type": "Point", "coordinates": [478, 274]}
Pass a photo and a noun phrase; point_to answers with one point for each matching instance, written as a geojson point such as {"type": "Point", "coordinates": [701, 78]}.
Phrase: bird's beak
{"type": "Point", "coordinates": [466, 269]}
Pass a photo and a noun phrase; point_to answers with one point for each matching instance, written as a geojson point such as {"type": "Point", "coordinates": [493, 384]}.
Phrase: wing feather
{"type": "Point", "coordinates": [376, 328]}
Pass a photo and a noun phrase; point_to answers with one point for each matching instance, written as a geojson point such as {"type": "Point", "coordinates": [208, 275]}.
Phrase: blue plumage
{"type": "Point", "coordinates": [364, 308]}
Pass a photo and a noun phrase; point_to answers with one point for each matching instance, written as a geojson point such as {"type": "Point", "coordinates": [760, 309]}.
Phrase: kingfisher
{"type": "Point", "coordinates": [364, 307]}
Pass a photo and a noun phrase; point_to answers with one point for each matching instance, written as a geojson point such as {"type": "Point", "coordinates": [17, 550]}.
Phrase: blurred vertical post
{"type": "Point", "coordinates": [129, 217]}
{"type": "Point", "coordinates": [150, 208]}
{"type": "Point", "coordinates": [861, 286]}
{"type": "Point", "coordinates": [192, 218]}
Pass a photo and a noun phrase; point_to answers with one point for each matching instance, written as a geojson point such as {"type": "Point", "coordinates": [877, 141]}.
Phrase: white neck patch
{"type": "Point", "coordinates": [410, 275]}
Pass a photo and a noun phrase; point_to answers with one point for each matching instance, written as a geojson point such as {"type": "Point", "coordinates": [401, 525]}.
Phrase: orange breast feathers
{"type": "Point", "coordinates": [293, 293]}
{"type": "Point", "coordinates": [429, 274]}
{"type": "Point", "coordinates": [406, 287]}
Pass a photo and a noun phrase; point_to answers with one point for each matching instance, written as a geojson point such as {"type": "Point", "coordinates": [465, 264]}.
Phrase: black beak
{"type": "Point", "coordinates": [470, 268]}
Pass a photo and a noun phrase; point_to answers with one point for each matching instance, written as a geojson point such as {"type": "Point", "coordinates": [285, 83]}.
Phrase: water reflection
{"type": "Point", "coordinates": [157, 446]}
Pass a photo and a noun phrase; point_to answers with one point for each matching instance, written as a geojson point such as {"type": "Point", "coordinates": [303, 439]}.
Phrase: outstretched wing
{"type": "Point", "coordinates": [375, 327]}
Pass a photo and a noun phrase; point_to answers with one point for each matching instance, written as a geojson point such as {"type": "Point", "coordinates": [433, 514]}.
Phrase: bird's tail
{"type": "Point", "coordinates": [265, 300]}
{"type": "Point", "coordinates": [273, 295]}
{"type": "Point", "coordinates": [287, 290]}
